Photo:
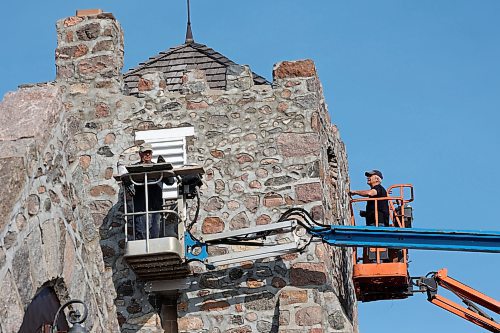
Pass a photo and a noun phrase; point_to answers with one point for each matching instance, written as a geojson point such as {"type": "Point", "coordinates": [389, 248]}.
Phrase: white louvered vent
{"type": "Point", "coordinates": [171, 144]}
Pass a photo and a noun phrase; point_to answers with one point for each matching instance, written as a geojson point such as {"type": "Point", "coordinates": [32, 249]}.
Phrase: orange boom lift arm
{"type": "Point", "coordinates": [468, 295]}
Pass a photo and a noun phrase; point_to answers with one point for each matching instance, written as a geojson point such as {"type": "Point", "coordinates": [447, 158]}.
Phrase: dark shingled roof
{"type": "Point", "coordinates": [176, 60]}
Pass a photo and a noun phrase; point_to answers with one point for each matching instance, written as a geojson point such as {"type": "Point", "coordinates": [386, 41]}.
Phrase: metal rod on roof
{"type": "Point", "coordinates": [189, 33]}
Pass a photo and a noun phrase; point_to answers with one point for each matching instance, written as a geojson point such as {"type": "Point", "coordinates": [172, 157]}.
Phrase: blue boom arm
{"type": "Point", "coordinates": [337, 235]}
{"type": "Point", "coordinates": [409, 238]}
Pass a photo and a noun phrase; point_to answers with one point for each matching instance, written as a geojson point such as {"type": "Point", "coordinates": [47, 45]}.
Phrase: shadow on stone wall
{"type": "Point", "coordinates": [134, 309]}
{"type": "Point", "coordinates": [348, 297]}
{"type": "Point", "coordinates": [262, 289]}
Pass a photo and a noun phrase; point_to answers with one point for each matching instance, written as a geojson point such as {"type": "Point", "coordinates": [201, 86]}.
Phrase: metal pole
{"type": "Point", "coordinates": [125, 210]}
{"type": "Point", "coordinates": [146, 190]}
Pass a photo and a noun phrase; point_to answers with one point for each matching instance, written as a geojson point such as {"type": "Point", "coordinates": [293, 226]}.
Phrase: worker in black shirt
{"type": "Point", "coordinates": [155, 200]}
{"type": "Point", "coordinates": [374, 180]}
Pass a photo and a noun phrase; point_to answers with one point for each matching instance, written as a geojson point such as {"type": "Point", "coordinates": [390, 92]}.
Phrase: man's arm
{"type": "Point", "coordinates": [364, 193]}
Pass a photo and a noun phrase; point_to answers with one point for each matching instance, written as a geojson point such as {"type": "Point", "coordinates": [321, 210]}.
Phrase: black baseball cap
{"type": "Point", "coordinates": [374, 172]}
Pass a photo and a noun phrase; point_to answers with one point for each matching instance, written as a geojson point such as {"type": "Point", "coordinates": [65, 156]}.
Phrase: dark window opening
{"type": "Point", "coordinates": [332, 164]}
{"type": "Point", "coordinates": [41, 312]}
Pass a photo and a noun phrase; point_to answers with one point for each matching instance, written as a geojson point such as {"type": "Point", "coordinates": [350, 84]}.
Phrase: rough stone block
{"type": "Point", "coordinates": [308, 192]}
{"type": "Point", "coordinates": [64, 72]}
{"type": "Point", "coordinates": [253, 283]}
{"type": "Point", "coordinates": [237, 319]}
{"type": "Point", "coordinates": [10, 239]}
{"type": "Point", "coordinates": [11, 309]}
{"type": "Point", "coordinates": [309, 316]}
{"type": "Point", "coordinates": [22, 274]}
{"type": "Point", "coordinates": [286, 93]}
{"type": "Point", "coordinates": [216, 250]}
{"type": "Point", "coordinates": [299, 144]}
{"type": "Point", "coordinates": [108, 173]}
{"type": "Point", "coordinates": [284, 317]}
{"type": "Point", "coordinates": [13, 179]}
{"type": "Point", "coordinates": [219, 186]}
{"type": "Point", "coordinates": [189, 323]}
{"type": "Point", "coordinates": [282, 106]}
{"type": "Point", "coordinates": [273, 200]}
{"type": "Point", "coordinates": [294, 69]}
{"type": "Point", "coordinates": [255, 184]}
{"type": "Point", "coordinates": [260, 302]}
{"type": "Point", "coordinates": [251, 316]}
{"type": "Point", "coordinates": [213, 204]}
{"type": "Point", "coordinates": [212, 305]}
{"type": "Point", "coordinates": [71, 52]}
{"type": "Point", "coordinates": [103, 45]}
{"type": "Point", "coordinates": [241, 329]}
{"type": "Point", "coordinates": [145, 84]}
{"type": "Point", "coordinates": [322, 253]}
{"type": "Point", "coordinates": [69, 262]}
{"type": "Point", "coordinates": [217, 153]}
{"type": "Point", "coordinates": [212, 225]}
{"type": "Point", "coordinates": [84, 141]}
{"type": "Point", "coordinates": [244, 158]}
{"type": "Point", "coordinates": [307, 102]}
{"type": "Point", "coordinates": [263, 219]}
{"type": "Point", "coordinates": [71, 21]}
{"type": "Point", "coordinates": [279, 181]}
{"type": "Point", "coordinates": [252, 203]}
{"type": "Point", "coordinates": [3, 257]}
{"type": "Point", "coordinates": [264, 326]}
{"type": "Point", "coordinates": [239, 221]}
{"type": "Point", "coordinates": [317, 213]}
{"type": "Point", "coordinates": [52, 243]}
{"type": "Point", "coordinates": [304, 274]}
{"type": "Point", "coordinates": [292, 296]}
{"type": "Point", "coordinates": [102, 110]}
{"type": "Point", "coordinates": [105, 151]}
{"type": "Point", "coordinates": [278, 282]}
{"type": "Point", "coordinates": [36, 259]}
{"type": "Point", "coordinates": [109, 139]}
{"type": "Point", "coordinates": [316, 330]}
{"type": "Point", "coordinates": [336, 320]}
{"type": "Point", "coordinates": [102, 190]}
{"type": "Point", "coordinates": [36, 108]}
{"type": "Point", "coordinates": [89, 31]}
{"type": "Point", "coordinates": [239, 77]}
{"type": "Point", "coordinates": [33, 204]}
{"type": "Point", "coordinates": [105, 65]}
{"type": "Point", "coordinates": [194, 82]}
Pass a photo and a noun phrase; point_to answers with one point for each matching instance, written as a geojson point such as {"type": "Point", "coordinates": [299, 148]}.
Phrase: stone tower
{"type": "Point", "coordinates": [265, 147]}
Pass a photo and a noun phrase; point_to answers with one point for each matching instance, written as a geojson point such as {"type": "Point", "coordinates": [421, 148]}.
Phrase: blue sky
{"type": "Point", "coordinates": [414, 87]}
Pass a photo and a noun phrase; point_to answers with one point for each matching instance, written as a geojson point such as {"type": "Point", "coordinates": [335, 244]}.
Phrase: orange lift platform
{"type": "Point", "coordinates": [382, 273]}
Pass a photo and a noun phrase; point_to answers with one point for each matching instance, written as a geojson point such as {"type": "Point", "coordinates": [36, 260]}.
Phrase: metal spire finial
{"type": "Point", "coordinates": [189, 33]}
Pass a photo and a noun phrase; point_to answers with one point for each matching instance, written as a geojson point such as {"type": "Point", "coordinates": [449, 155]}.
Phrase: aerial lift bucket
{"type": "Point", "coordinates": [381, 273]}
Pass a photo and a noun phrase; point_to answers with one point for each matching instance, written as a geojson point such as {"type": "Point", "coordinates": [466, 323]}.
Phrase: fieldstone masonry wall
{"type": "Point", "coordinates": [46, 237]}
{"type": "Point", "coordinates": [264, 148]}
